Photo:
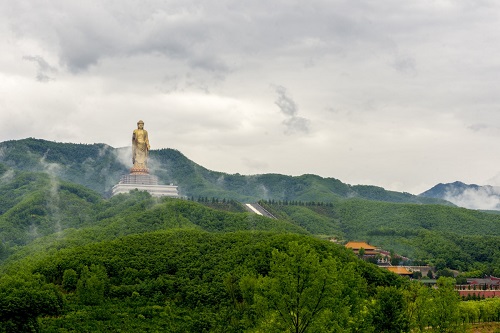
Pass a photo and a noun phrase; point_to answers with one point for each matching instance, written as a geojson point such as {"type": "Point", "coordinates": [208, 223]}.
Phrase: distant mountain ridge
{"type": "Point", "coordinates": [472, 196]}
{"type": "Point", "coordinates": [99, 167]}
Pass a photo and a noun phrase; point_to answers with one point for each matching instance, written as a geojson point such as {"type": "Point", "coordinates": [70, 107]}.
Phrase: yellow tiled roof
{"type": "Point", "coordinates": [359, 245]}
{"type": "Point", "coordinates": [399, 270]}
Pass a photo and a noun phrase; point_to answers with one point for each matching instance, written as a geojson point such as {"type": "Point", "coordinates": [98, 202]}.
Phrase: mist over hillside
{"type": "Point", "coordinates": [99, 167]}
{"type": "Point", "coordinates": [469, 196]}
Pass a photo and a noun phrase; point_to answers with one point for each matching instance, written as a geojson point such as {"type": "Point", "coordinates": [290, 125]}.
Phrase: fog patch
{"type": "Point", "coordinates": [157, 168]}
{"type": "Point", "coordinates": [221, 180]}
{"type": "Point", "coordinates": [124, 156]}
{"type": "Point", "coordinates": [7, 176]}
{"type": "Point", "coordinates": [103, 151]}
{"type": "Point", "coordinates": [263, 192]}
{"type": "Point", "coordinates": [33, 231]}
{"type": "Point", "coordinates": [154, 166]}
{"type": "Point", "coordinates": [483, 197]}
{"type": "Point", "coordinates": [88, 167]}
{"type": "Point", "coordinates": [54, 200]}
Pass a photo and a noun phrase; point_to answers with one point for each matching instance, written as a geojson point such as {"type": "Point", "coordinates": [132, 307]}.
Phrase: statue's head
{"type": "Point", "coordinates": [140, 123]}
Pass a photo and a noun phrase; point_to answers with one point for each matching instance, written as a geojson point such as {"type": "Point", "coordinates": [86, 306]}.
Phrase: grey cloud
{"type": "Point", "coordinates": [81, 60]}
{"type": "Point", "coordinates": [41, 77]}
{"type": "Point", "coordinates": [43, 68]}
{"type": "Point", "coordinates": [42, 64]}
{"type": "Point", "coordinates": [353, 48]}
{"type": "Point", "coordinates": [478, 127]}
{"type": "Point", "coordinates": [405, 64]}
{"type": "Point", "coordinates": [294, 124]}
{"type": "Point", "coordinates": [190, 31]}
{"type": "Point", "coordinates": [211, 64]}
{"type": "Point", "coordinates": [284, 102]}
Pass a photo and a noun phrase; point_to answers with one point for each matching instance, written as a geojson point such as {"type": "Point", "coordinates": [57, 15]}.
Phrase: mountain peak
{"type": "Point", "coordinates": [470, 196]}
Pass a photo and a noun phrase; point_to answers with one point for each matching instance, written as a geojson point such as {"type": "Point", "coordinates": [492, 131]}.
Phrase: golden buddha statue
{"type": "Point", "coordinates": [140, 149]}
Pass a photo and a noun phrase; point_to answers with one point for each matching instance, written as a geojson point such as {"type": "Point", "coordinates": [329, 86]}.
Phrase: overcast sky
{"type": "Point", "coordinates": [398, 94]}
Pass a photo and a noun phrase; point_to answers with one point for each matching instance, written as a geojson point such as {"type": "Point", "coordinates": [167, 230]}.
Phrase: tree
{"type": "Point", "coordinates": [446, 272]}
{"type": "Point", "coordinates": [70, 280]}
{"type": "Point", "coordinates": [92, 285]}
{"type": "Point", "coordinates": [462, 280]}
{"type": "Point", "coordinates": [435, 310]}
{"type": "Point", "coordinates": [302, 293]}
{"type": "Point", "coordinates": [446, 301]}
{"type": "Point", "coordinates": [390, 311]}
{"type": "Point", "coordinates": [23, 299]}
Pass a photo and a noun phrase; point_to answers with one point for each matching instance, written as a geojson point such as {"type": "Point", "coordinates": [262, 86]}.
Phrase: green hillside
{"type": "Point", "coordinates": [456, 238]}
{"type": "Point", "coordinates": [36, 205]}
{"type": "Point", "coordinates": [99, 167]}
{"type": "Point", "coordinates": [33, 205]}
{"type": "Point", "coordinates": [189, 281]}
{"type": "Point", "coordinates": [73, 260]}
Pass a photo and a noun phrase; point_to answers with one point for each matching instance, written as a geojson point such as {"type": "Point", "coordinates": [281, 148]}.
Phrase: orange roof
{"type": "Point", "coordinates": [359, 245]}
{"type": "Point", "coordinates": [399, 270]}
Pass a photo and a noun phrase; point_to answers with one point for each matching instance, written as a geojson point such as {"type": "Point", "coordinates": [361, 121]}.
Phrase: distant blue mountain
{"type": "Point", "coordinates": [472, 196]}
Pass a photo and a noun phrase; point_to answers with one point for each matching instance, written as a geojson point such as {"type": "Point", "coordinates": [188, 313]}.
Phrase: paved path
{"type": "Point", "coordinates": [258, 209]}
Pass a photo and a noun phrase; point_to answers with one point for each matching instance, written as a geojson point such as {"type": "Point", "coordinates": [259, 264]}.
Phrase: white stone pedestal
{"type": "Point", "coordinates": [144, 182]}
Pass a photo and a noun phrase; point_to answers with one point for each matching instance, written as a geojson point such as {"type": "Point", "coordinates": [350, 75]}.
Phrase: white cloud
{"type": "Point", "coordinates": [485, 198]}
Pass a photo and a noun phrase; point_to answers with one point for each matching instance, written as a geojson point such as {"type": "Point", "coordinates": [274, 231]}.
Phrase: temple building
{"type": "Point", "coordinates": [370, 250]}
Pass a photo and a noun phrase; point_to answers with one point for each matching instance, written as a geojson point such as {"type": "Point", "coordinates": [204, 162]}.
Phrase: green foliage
{"type": "Point", "coordinates": [23, 298]}
{"type": "Point", "coordinates": [199, 280]}
{"type": "Point", "coordinates": [121, 215]}
{"type": "Point", "coordinates": [301, 294]}
{"type": "Point", "coordinates": [445, 272]}
{"type": "Point", "coordinates": [486, 310]}
{"type": "Point", "coordinates": [91, 285]}
{"type": "Point", "coordinates": [69, 280]}
{"type": "Point", "coordinates": [450, 237]}
{"type": "Point", "coordinates": [434, 309]}
{"type": "Point", "coordinates": [445, 306]}
{"type": "Point", "coordinates": [390, 310]}
{"type": "Point", "coordinates": [34, 205]}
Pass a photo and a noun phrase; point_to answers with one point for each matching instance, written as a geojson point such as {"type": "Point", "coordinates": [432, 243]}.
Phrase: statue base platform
{"type": "Point", "coordinates": [144, 182]}
{"type": "Point", "coordinates": [140, 171]}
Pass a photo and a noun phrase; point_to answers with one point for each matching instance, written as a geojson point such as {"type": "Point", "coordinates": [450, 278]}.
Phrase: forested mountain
{"type": "Point", "coordinates": [99, 167]}
{"type": "Point", "coordinates": [73, 260]}
{"type": "Point", "coordinates": [138, 263]}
